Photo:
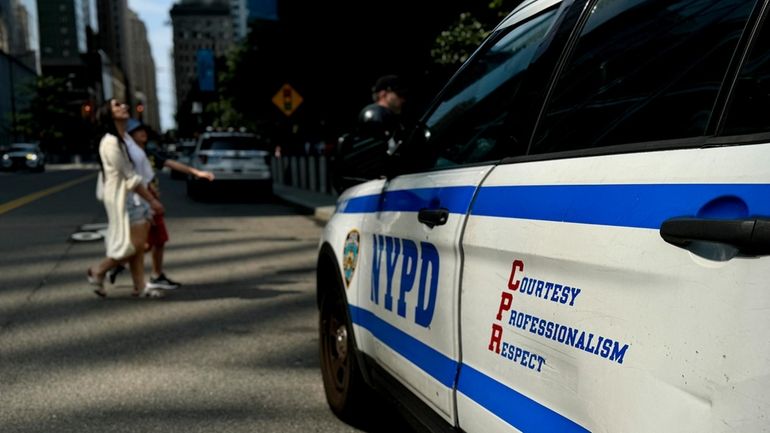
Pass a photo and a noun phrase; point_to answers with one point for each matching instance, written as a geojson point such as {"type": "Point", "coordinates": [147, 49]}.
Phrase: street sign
{"type": "Point", "coordinates": [287, 99]}
{"type": "Point", "coordinates": [205, 70]}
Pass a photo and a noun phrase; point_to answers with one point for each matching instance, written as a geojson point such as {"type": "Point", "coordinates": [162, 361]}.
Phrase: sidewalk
{"type": "Point", "coordinates": [320, 205]}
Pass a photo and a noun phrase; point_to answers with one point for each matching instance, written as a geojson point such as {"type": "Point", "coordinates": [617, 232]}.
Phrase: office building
{"type": "Point", "coordinates": [141, 71]}
{"type": "Point", "coordinates": [113, 30]}
{"type": "Point", "coordinates": [19, 63]}
{"type": "Point", "coordinates": [201, 29]}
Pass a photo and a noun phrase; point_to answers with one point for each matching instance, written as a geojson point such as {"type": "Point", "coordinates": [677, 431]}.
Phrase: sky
{"type": "Point", "coordinates": [155, 14]}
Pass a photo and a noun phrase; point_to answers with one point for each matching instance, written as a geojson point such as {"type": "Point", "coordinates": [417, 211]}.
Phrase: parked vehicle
{"type": "Point", "coordinates": [576, 236]}
{"type": "Point", "coordinates": [23, 156]}
{"type": "Point", "coordinates": [237, 159]}
{"type": "Point", "coordinates": [183, 152]}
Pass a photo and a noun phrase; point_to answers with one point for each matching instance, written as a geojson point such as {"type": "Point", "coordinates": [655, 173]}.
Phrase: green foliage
{"type": "Point", "coordinates": [454, 45]}
{"type": "Point", "coordinates": [496, 4]}
{"type": "Point", "coordinates": [50, 113]}
{"type": "Point", "coordinates": [223, 113]}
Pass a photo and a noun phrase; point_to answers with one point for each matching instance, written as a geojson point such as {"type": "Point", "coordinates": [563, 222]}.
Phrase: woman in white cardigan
{"type": "Point", "coordinates": [128, 219]}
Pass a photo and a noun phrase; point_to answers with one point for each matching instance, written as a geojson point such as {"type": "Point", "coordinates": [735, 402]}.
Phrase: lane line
{"type": "Point", "coordinates": [19, 202]}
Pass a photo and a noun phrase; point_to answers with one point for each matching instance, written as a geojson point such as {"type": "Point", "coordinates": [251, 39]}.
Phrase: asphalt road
{"type": "Point", "coordinates": [233, 350]}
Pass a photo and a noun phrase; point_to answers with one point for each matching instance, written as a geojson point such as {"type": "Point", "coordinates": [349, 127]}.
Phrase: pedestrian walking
{"type": "Point", "coordinates": [147, 162]}
{"type": "Point", "coordinates": [128, 219]}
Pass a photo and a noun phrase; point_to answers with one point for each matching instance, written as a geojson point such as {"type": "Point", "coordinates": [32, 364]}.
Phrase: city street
{"type": "Point", "coordinates": [233, 350]}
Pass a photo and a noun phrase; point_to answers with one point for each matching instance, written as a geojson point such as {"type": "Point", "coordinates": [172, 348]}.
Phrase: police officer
{"type": "Point", "coordinates": [361, 154]}
{"type": "Point", "coordinates": [382, 118]}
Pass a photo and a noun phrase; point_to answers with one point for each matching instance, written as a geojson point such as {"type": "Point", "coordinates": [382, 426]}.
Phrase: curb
{"type": "Point", "coordinates": [320, 206]}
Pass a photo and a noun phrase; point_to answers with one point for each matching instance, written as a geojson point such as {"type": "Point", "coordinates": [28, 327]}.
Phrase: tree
{"type": "Point", "coordinates": [223, 111]}
{"type": "Point", "coordinates": [53, 118]}
{"type": "Point", "coordinates": [331, 53]}
{"type": "Point", "coordinates": [454, 45]}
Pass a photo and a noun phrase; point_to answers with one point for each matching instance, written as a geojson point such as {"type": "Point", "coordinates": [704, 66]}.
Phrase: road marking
{"type": "Point", "coordinates": [19, 202]}
{"type": "Point", "coordinates": [86, 236]}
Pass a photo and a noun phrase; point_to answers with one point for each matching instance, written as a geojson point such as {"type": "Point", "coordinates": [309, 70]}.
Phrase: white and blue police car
{"type": "Point", "coordinates": [236, 158]}
{"type": "Point", "coordinates": [576, 237]}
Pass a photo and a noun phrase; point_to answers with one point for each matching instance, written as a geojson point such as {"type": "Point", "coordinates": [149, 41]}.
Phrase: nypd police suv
{"type": "Point", "coordinates": [576, 236]}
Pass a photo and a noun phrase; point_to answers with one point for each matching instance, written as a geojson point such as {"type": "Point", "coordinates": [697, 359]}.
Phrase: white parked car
{"type": "Point", "coordinates": [236, 159]}
{"type": "Point", "coordinates": [576, 237]}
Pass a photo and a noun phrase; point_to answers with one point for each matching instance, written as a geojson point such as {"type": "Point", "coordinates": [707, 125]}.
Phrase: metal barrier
{"type": "Point", "coordinates": [306, 172]}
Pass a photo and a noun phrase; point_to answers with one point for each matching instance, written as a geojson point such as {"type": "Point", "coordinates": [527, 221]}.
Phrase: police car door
{"type": "Point", "coordinates": [615, 279]}
{"type": "Point", "coordinates": [410, 317]}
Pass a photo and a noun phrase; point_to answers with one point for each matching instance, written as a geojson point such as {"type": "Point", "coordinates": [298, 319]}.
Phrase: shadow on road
{"type": "Point", "coordinates": [234, 349]}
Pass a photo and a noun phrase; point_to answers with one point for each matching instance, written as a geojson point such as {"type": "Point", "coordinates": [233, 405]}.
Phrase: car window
{"type": "Point", "coordinates": [470, 122]}
{"type": "Point", "coordinates": [642, 70]}
{"type": "Point", "coordinates": [748, 111]}
{"type": "Point", "coordinates": [187, 150]}
{"type": "Point", "coordinates": [23, 148]}
{"type": "Point", "coordinates": [232, 143]}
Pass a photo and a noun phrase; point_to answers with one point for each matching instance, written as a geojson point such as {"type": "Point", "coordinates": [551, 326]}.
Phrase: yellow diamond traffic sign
{"type": "Point", "coordinates": [287, 99]}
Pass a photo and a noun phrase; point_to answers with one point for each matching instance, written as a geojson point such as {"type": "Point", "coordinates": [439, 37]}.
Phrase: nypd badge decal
{"type": "Point", "coordinates": [350, 255]}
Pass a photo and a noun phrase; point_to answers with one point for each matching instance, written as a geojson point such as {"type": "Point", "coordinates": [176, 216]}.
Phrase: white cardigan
{"type": "Point", "coordinates": [119, 179]}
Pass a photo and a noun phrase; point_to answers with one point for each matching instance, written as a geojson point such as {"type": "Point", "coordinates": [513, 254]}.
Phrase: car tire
{"type": "Point", "coordinates": [346, 391]}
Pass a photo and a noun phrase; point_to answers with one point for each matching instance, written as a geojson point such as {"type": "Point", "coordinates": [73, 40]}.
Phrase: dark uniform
{"type": "Point", "coordinates": [376, 121]}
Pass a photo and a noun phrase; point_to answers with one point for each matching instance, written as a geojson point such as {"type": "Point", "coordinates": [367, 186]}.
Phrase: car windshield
{"type": "Point", "coordinates": [23, 147]}
{"type": "Point", "coordinates": [232, 143]}
{"type": "Point", "coordinates": [186, 150]}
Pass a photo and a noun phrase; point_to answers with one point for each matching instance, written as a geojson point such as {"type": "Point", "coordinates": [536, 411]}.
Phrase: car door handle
{"type": "Point", "coordinates": [433, 217]}
{"type": "Point", "coordinates": [750, 236]}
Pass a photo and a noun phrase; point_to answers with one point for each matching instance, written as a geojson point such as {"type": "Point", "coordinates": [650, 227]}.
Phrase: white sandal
{"type": "Point", "coordinates": [152, 293]}
{"type": "Point", "coordinates": [98, 283]}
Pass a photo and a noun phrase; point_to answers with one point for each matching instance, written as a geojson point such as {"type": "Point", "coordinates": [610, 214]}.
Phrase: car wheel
{"type": "Point", "coordinates": [346, 391]}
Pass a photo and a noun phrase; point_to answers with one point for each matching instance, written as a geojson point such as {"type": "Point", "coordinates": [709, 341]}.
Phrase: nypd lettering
{"type": "Point", "coordinates": [549, 291]}
{"type": "Point", "coordinates": [405, 255]}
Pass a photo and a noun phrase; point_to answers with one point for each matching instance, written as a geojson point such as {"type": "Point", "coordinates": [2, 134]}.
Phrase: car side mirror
{"type": "Point", "coordinates": [414, 153]}
{"type": "Point", "coordinates": [360, 159]}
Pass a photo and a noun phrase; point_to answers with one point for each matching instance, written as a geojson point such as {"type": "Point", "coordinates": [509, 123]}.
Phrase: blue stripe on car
{"type": "Point", "coordinates": [516, 409]}
{"type": "Point", "coordinates": [433, 362]}
{"type": "Point", "coordinates": [507, 404]}
{"type": "Point", "coordinates": [454, 198]}
{"type": "Point", "coordinates": [641, 206]}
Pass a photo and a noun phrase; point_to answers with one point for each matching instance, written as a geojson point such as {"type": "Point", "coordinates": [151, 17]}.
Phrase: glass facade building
{"type": "Point", "coordinates": [19, 62]}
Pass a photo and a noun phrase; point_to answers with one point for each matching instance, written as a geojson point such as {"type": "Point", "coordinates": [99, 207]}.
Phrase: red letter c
{"type": "Point", "coordinates": [517, 264]}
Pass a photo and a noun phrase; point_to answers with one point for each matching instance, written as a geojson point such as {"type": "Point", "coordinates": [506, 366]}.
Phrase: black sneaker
{"type": "Point", "coordinates": [163, 282]}
{"type": "Point", "coordinates": [112, 274]}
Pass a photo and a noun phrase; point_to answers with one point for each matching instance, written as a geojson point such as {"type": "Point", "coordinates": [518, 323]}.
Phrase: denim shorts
{"type": "Point", "coordinates": [138, 210]}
